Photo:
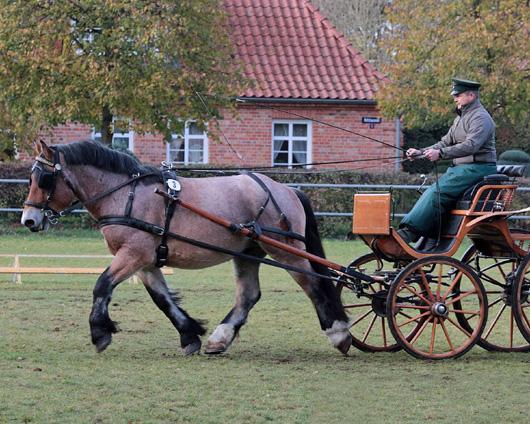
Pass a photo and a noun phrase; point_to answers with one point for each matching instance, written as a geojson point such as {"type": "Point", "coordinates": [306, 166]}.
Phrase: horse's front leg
{"type": "Point", "coordinates": [101, 326]}
{"type": "Point", "coordinates": [167, 301]}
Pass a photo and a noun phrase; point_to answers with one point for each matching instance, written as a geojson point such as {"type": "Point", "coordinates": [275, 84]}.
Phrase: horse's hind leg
{"type": "Point", "coordinates": [189, 329]}
{"type": "Point", "coordinates": [325, 298]}
{"type": "Point", "coordinates": [247, 295]}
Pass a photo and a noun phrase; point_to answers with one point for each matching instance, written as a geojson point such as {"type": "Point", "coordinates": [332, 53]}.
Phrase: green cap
{"type": "Point", "coordinates": [460, 85]}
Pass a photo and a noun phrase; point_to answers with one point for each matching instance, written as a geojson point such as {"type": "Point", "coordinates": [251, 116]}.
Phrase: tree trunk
{"type": "Point", "coordinates": [106, 127]}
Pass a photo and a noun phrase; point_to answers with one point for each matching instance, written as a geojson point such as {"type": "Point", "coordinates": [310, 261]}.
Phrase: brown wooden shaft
{"type": "Point", "coordinates": [264, 239]}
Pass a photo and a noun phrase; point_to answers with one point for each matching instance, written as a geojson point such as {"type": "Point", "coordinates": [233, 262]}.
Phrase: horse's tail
{"type": "Point", "coordinates": [313, 240]}
{"type": "Point", "coordinates": [325, 290]}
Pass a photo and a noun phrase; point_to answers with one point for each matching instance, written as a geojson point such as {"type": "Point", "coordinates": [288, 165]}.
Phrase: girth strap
{"type": "Point", "coordinates": [172, 187]}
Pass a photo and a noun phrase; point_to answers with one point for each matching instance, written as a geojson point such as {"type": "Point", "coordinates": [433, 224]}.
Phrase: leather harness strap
{"type": "Point", "coordinates": [150, 228]}
{"type": "Point", "coordinates": [255, 226]}
{"type": "Point", "coordinates": [171, 203]}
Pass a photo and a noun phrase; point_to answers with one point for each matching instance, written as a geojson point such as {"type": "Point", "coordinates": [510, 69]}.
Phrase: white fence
{"type": "Point", "coordinates": [301, 186]}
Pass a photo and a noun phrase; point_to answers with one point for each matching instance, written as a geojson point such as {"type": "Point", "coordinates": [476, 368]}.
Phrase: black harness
{"type": "Point", "coordinates": [47, 180]}
{"type": "Point", "coordinates": [172, 188]}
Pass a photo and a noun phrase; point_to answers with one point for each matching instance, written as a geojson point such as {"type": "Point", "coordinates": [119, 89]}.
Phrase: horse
{"type": "Point", "coordinates": [107, 182]}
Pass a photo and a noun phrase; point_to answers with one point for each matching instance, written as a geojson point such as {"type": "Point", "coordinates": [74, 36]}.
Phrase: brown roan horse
{"type": "Point", "coordinates": [103, 180]}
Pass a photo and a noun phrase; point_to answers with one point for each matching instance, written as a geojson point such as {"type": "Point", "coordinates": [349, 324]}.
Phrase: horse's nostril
{"type": "Point", "coordinates": [30, 223]}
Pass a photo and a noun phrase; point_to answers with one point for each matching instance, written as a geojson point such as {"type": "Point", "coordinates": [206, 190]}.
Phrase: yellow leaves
{"type": "Point", "coordinates": [70, 58]}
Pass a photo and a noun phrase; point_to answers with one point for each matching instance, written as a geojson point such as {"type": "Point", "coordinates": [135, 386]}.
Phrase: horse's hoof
{"type": "Point", "coordinates": [214, 348]}
{"type": "Point", "coordinates": [103, 342]}
{"type": "Point", "coordinates": [192, 348]}
{"type": "Point", "coordinates": [344, 347]}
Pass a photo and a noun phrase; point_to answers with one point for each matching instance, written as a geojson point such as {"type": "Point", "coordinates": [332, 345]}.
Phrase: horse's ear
{"type": "Point", "coordinates": [42, 148]}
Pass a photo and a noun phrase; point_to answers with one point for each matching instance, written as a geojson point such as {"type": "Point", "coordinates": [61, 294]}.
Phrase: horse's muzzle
{"type": "Point", "coordinates": [35, 220]}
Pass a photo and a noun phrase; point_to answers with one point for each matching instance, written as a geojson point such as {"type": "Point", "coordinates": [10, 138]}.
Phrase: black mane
{"type": "Point", "coordinates": [92, 153]}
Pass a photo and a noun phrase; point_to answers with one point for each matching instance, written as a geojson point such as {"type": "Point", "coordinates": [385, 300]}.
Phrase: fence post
{"type": "Point", "coordinates": [18, 277]}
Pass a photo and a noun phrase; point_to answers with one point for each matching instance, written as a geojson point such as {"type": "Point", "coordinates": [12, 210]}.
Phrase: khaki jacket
{"type": "Point", "coordinates": [471, 139]}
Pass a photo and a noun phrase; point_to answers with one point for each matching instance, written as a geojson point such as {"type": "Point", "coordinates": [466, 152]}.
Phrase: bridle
{"type": "Point", "coordinates": [47, 180]}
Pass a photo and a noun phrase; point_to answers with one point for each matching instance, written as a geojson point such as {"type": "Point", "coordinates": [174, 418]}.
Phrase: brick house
{"type": "Point", "coordinates": [306, 71]}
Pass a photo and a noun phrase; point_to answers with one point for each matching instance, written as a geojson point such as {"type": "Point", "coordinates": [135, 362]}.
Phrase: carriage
{"type": "Point", "coordinates": [434, 305]}
{"type": "Point", "coordinates": [419, 298]}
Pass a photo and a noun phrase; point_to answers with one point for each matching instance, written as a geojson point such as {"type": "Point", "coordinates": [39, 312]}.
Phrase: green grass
{"type": "Point", "coordinates": [280, 369]}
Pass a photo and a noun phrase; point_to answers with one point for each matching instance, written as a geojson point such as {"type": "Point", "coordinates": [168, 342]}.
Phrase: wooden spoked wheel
{"type": "Point", "coordinates": [521, 298]}
{"type": "Point", "coordinates": [497, 274]}
{"type": "Point", "coordinates": [368, 325]}
{"type": "Point", "coordinates": [431, 292]}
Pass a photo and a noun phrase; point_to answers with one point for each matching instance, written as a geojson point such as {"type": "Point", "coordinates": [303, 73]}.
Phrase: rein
{"type": "Point", "coordinates": [252, 230]}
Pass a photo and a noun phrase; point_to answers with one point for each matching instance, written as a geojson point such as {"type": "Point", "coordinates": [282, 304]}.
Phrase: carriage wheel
{"type": "Point", "coordinates": [369, 326]}
{"type": "Point", "coordinates": [497, 275]}
{"type": "Point", "coordinates": [521, 298]}
{"type": "Point", "coordinates": [432, 292]}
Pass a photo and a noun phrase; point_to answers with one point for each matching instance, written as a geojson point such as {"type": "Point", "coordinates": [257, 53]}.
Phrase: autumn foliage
{"type": "Point", "coordinates": [94, 60]}
{"type": "Point", "coordinates": [432, 41]}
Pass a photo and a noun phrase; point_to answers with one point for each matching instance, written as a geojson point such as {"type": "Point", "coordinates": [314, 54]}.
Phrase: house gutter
{"type": "Point", "coordinates": [313, 101]}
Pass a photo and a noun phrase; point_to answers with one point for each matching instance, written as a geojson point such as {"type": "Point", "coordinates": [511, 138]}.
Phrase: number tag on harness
{"type": "Point", "coordinates": [173, 185]}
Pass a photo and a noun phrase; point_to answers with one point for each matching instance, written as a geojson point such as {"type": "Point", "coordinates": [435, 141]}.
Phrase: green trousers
{"type": "Point", "coordinates": [424, 218]}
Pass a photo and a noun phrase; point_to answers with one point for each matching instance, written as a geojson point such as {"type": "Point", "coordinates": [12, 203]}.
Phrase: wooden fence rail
{"type": "Point", "coordinates": [16, 270]}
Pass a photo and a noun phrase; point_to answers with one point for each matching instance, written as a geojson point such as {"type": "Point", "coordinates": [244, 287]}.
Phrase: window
{"type": "Point", "coordinates": [291, 143]}
{"type": "Point", "coordinates": [122, 139]}
{"type": "Point", "coordinates": [190, 147]}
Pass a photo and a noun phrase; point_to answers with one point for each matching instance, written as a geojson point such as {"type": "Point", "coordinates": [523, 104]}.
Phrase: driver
{"type": "Point", "coordinates": [470, 142]}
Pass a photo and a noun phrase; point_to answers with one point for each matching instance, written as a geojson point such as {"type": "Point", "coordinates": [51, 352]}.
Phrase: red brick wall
{"type": "Point", "coordinates": [251, 137]}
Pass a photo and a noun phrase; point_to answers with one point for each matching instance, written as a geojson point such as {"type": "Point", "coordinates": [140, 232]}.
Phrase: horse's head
{"type": "Point", "coordinates": [49, 190]}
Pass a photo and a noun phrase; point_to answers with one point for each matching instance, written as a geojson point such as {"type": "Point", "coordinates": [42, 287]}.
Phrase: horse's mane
{"type": "Point", "coordinates": [92, 153]}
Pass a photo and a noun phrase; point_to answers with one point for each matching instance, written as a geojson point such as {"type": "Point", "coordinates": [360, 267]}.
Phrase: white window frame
{"type": "Point", "coordinates": [290, 138]}
{"type": "Point", "coordinates": [187, 136]}
{"type": "Point", "coordinates": [129, 135]}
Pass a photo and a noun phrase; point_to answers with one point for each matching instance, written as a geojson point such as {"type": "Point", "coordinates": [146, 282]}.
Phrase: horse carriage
{"type": "Point", "coordinates": [434, 306]}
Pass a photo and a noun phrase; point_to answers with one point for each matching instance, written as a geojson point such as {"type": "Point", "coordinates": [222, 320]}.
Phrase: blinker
{"type": "Point", "coordinates": [45, 179]}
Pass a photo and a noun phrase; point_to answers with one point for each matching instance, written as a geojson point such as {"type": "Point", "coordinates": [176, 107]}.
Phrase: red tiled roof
{"type": "Point", "coordinates": [293, 52]}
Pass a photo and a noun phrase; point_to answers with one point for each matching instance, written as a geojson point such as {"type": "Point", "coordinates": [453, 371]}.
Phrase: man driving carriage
{"type": "Point", "coordinates": [470, 143]}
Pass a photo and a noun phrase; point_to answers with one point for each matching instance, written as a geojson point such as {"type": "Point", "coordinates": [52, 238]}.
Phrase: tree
{"type": "Point", "coordinates": [432, 41]}
{"type": "Point", "coordinates": [362, 22]}
{"type": "Point", "coordinates": [92, 61]}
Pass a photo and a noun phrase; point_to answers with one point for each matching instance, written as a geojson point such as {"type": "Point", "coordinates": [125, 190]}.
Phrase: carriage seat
{"type": "Point", "coordinates": [494, 199]}
{"type": "Point", "coordinates": [504, 172]}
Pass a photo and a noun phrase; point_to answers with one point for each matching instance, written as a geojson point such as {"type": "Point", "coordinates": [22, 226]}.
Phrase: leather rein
{"type": "Point", "coordinates": [252, 230]}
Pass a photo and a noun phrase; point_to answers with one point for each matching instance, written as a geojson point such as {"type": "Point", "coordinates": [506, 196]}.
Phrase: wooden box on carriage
{"type": "Point", "coordinates": [371, 213]}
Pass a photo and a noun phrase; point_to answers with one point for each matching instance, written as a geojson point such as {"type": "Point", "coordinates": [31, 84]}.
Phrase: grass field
{"type": "Point", "coordinates": [281, 368]}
